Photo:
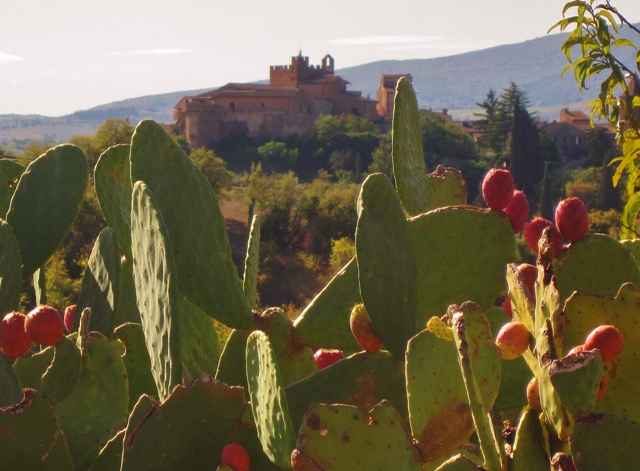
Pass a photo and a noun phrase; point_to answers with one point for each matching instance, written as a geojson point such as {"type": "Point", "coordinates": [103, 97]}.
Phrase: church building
{"type": "Point", "coordinates": [297, 94]}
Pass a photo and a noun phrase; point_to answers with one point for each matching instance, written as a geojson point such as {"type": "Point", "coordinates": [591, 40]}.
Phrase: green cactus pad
{"type": "Point", "coordinates": [194, 222]}
{"type": "Point", "coordinates": [576, 380]}
{"type": "Point", "coordinates": [156, 284]}
{"type": "Point", "coordinates": [325, 320]}
{"type": "Point", "coordinates": [386, 264]}
{"type": "Point", "coordinates": [10, 269]}
{"type": "Point", "coordinates": [459, 463]}
{"type": "Point", "coordinates": [409, 167]}
{"type": "Point", "coordinates": [31, 437]}
{"type": "Point", "coordinates": [250, 281]}
{"type": "Point", "coordinates": [199, 343]}
{"type": "Point", "coordinates": [584, 313]}
{"type": "Point", "coordinates": [557, 417]}
{"type": "Point", "coordinates": [126, 304]}
{"type": "Point", "coordinates": [596, 264]}
{"type": "Point", "coordinates": [232, 364]}
{"type": "Point", "coordinates": [10, 387]}
{"type": "Point", "coordinates": [268, 400]}
{"type": "Point", "coordinates": [100, 283]}
{"type": "Point", "coordinates": [40, 286]}
{"type": "Point", "coordinates": [361, 380]}
{"type": "Point", "coordinates": [46, 203]}
{"type": "Point", "coordinates": [110, 455]}
{"type": "Point", "coordinates": [188, 431]}
{"type": "Point", "coordinates": [98, 406]}
{"type": "Point", "coordinates": [602, 441]}
{"type": "Point", "coordinates": [439, 411]}
{"type": "Point", "coordinates": [529, 452]}
{"type": "Point", "coordinates": [460, 252]}
{"type": "Point", "coordinates": [446, 188]}
{"type": "Point", "coordinates": [634, 247]}
{"type": "Point", "coordinates": [515, 373]}
{"type": "Point", "coordinates": [30, 369]}
{"type": "Point", "coordinates": [480, 364]}
{"type": "Point", "coordinates": [136, 361]}
{"type": "Point", "coordinates": [10, 172]}
{"type": "Point", "coordinates": [63, 373]}
{"type": "Point", "coordinates": [113, 189]}
{"type": "Point", "coordinates": [341, 438]}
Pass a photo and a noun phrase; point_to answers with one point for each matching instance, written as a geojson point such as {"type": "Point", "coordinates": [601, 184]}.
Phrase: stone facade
{"type": "Point", "coordinates": [297, 94]}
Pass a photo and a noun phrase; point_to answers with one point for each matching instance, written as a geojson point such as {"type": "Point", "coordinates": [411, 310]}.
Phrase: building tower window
{"type": "Point", "coordinates": [262, 106]}
{"type": "Point", "coordinates": [309, 109]}
{"type": "Point", "coordinates": [232, 106]}
{"type": "Point", "coordinates": [300, 109]}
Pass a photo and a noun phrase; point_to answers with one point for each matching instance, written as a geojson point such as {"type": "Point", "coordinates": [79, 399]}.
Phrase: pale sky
{"type": "Point", "coordinates": [61, 56]}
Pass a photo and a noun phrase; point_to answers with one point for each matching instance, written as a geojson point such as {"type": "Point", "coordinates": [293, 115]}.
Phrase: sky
{"type": "Point", "coordinates": [61, 56]}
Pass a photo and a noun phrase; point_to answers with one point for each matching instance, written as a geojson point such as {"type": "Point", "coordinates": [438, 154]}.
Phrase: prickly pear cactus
{"type": "Point", "coordinates": [10, 268]}
{"type": "Point", "coordinates": [386, 264]}
{"type": "Point", "coordinates": [347, 440]}
{"type": "Point", "coordinates": [10, 172]}
{"type": "Point", "coordinates": [250, 281]}
{"type": "Point", "coordinates": [46, 202]}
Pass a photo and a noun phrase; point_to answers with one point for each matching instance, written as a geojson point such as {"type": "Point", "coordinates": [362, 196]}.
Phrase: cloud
{"type": "Point", "coordinates": [6, 58]}
{"type": "Point", "coordinates": [154, 52]}
{"type": "Point", "coordinates": [387, 40]}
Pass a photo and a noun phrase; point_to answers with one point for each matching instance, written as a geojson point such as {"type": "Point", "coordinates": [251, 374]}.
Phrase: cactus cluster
{"type": "Point", "coordinates": [141, 381]}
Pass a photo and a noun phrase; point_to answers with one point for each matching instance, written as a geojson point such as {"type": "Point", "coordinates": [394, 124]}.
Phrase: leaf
{"type": "Point", "coordinates": [629, 216]}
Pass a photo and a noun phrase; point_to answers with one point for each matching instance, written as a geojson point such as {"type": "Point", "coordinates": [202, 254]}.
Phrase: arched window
{"type": "Point", "coordinates": [262, 106]}
{"type": "Point", "coordinates": [309, 109]}
{"type": "Point", "coordinates": [232, 106]}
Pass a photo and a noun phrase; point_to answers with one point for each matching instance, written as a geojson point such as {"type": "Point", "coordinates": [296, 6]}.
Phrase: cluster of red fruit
{"type": "Point", "coordinates": [572, 218]}
{"type": "Point", "coordinates": [43, 325]}
{"type": "Point", "coordinates": [234, 457]}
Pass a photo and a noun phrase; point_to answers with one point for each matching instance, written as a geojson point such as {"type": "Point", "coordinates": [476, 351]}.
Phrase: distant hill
{"type": "Point", "coordinates": [457, 83]}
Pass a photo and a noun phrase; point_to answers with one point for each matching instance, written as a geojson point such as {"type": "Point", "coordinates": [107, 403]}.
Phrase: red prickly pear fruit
{"type": "Point", "coordinates": [69, 317]}
{"type": "Point", "coordinates": [14, 341]}
{"type": "Point", "coordinates": [530, 274]}
{"type": "Point", "coordinates": [572, 219]}
{"type": "Point", "coordinates": [327, 357]}
{"type": "Point", "coordinates": [533, 232]}
{"type": "Point", "coordinates": [518, 211]}
{"type": "Point", "coordinates": [607, 339]}
{"type": "Point", "coordinates": [512, 340]}
{"type": "Point", "coordinates": [235, 456]}
{"type": "Point", "coordinates": [507, 307]}
{"type": "Point", "coordinates": [497, 188]}
{"type": "Point", "coordinates": [363, 331]}
{"type": "Point", "coordinates": [602, 390]}
{"type": "Point", "coordinates": [45, 325]}
{"type": "Point", "coordinates": [533, 395]}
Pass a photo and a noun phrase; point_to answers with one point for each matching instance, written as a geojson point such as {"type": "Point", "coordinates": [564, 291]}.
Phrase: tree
{"type": "Point", "coordinates": [212, 167]}
{"type": "Point", "coordinates": [442, 139]}
{"type": "Point", "coordinates": [595, 28]}
{"type": "Point", "coordinates": [277, 157]}
{"type": "Point", "coordinates": [382, 161]}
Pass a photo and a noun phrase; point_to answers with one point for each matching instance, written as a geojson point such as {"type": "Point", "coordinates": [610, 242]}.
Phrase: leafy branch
{"type": "Point", "coordinates": [596, 35]}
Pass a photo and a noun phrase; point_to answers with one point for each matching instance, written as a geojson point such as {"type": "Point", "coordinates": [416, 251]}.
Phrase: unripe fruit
{"type": "Point", "coordinates": [533, 395]}
{"type": "Point", "coordinates": [512, 340]}
{"type": "Point", "coordinates": [69, 317]}
{"type": "Point", "coordinates": [235, 456]}
{"type": "Point", "coordinates": [607, 339]}
{"type": "Point", "coordinates": [533, 232]}
{"type": "Point", "coordinates": [530, 274]}
{"type": "Point", "coordinates": [363, 331]}
{"type": "Point", "coordinates": [497, 188]}
{"type": "Point", "coordinates": [572, 219]}
{"type": "Point", "coordinates": [14, 341]}
{"type": "Point", "coordinates": [44, 325]}
{"type": "Point", "coordinates": [602, 390]}
{"type": "Point", "coordinates": [326, 357]}
{"type": "Point", "coordinates": [507, 307]}
{"type": "Point", "coordinates": [518, 211]}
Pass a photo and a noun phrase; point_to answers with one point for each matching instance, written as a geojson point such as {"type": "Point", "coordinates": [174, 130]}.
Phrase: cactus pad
{"type": "Point", "coordinates": [325, 320]}
{"type": "Point", "coordinates": [529, 453]}
{"type": "Point", "coordinates": [341, 438]}
{"type": "Point", "coordinates": [46, 203]}
{"type": "Point", "coordinates": [189, 207]}
{"type": "Point", "coordinates": [446, 188]}
{"type": "Point", "coordinates": [250, 279]}
{"type": "Point", "coordinates": [10, 172]}
{"type": "Point", "coordinates": [63, 373]}
{"type": "Point", "coordinates": [10, 387]}
{"type": "Point", "coordinates": [10, 269]}
{"type": "Point", "coordinates": [386, 265]}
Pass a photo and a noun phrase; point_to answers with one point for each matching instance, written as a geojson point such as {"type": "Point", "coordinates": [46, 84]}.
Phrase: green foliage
{"type": "Point", "coordinates": [443, 140]}
{"type": "Point", "coordinates": [595, 32]}
{"type": "Point", "coordinates": [277, 157]}
{"type": "Point", "coordinates": [381, 157]}
{"type": "Point", "coordinates": [342, 250]}
{"type": "Point", "coordinates": [213, 167]}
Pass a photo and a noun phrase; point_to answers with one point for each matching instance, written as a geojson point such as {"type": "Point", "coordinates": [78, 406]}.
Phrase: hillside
{"type": "Point", "coordinates": [454, 82]}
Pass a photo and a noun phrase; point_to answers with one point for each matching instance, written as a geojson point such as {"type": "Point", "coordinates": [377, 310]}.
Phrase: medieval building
{"type": "Point", "coordinates": [297, 94]}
